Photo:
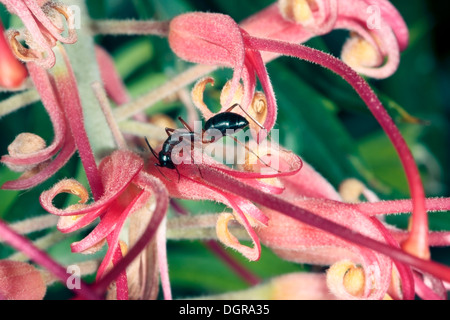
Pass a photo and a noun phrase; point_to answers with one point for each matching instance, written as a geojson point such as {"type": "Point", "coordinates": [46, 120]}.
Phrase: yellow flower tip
{"type": "Point", "coordinates": [228, 239]}
{"type": "Point", "coordinates": [18, 49]}
{"type": "Point", "coordinates": [237, 96]}
{"type": "Point", "coordinates": [65, 222]}
{"type": "Point", "coordinates": [346, 280]}
{"type": "Point", "coordinates": [123, 247]}
{"type": "Point", "coordinates": [354, 281]}
{"type": "Point", "coordinates": [222, 231]}
{"type": "Point", "coordinates": [299, 11]}
{"type": "Point", "coordinates": [258, 111]}
{"type": "Point", "coordinates": [387, 297]}
{"type": "Point", "coordinates": [73, 187]}
{"type": "Point", "coordinates": [197, 96]}
{"type": "Point", "coordinates": [351, 189]}
{"type": "Point", "coordinates": [25, 144]}
{"type": "Point", "coordinates": [358, 52]}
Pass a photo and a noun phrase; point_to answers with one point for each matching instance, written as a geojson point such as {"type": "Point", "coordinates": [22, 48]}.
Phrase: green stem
{"type": "Point", "coordinates": [130, 27]}
{"type": "Point", "coordinates": [84, 63]}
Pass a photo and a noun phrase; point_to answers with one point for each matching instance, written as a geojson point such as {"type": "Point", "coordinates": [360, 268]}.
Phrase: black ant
{"type": "Point", "coordinates": [222, 122]}
{"type": "Point", "coordinates": [165, 155]}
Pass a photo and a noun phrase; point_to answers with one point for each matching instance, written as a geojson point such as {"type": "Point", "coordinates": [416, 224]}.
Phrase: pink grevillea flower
{"type": "Point", "coordinates": [28, 153]}
{"type": "Point", "coordinates": [13, 72]}
{"type": "Point", "coordinates": [127, 189]}
{"type": "Point", "coordinates": [20, 281]}
{"type": "Point", "coordinates": [190, 185]}
{"type": "Point", "coordinates": [376, 249]}
{"type": "Point", "coordinates": [217, 39]}
{"type": "Point", "coordinates": [298, 242]}
{"type": "Point", "coordinates": [44, 27]}
{"type": "Point", "coordinates": [378, 32]}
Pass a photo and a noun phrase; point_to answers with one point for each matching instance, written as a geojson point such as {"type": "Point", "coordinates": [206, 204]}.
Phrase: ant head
{"type": "Point", "coordinates": [166, 161]}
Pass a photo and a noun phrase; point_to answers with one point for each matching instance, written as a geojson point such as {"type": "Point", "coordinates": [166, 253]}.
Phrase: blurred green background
{"type": "Point", "coordinates": [320, 118]}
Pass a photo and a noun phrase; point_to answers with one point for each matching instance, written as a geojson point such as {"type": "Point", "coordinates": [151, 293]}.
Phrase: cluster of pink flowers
{"type": "Point", "coordinates": [294, 211]}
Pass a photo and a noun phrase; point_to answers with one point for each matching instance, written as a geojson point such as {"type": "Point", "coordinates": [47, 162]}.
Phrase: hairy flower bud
{"type": "Point", "coordinates": [21, 281]}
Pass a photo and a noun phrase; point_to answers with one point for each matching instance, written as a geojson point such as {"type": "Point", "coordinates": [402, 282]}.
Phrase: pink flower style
{"type": "Point", "coordinates": [294, 211]}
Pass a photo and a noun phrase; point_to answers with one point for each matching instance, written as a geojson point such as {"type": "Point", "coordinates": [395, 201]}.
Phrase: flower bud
{"type": "Point", "coordinates": [21, 281]}
{"type": "Point", "coordinates": [13, 73]}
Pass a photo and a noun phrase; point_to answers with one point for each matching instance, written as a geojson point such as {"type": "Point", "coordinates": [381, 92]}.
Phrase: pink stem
{"type": "Point", "coordinates": [220, 180]}
{"type": "Point", "coordinates": [418, 241]}
{"type": "Point", "coordinates": [178, 207]}
{"type": "Point", "coordinates": [238, 268]}
{"type": "Point", "coordinates": [25, 246]}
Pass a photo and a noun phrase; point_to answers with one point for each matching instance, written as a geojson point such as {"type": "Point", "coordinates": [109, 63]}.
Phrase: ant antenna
{"type": "Point", "coordinates": [151, 149]}
{"type": "Point", "coordinates": [157, 167]}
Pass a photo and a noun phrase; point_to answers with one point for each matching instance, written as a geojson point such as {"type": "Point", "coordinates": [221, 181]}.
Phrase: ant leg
{"type": "Point", "coordinates": [190, 130]}
{"type": "Point", "coordinates": [157, 167]}
{"type": "Point", "coordinates": [184, 123]}
{"type": "Point", "coordinates": [250, 150]}
{"type": "Point", "coordinates": [247, 114]}
{"type": "Point", "coordinates": [169, 131]}
{"type": "Point", "coordinates": [193, 161]}
{"type": "Point", "coordinates": [151, 149]}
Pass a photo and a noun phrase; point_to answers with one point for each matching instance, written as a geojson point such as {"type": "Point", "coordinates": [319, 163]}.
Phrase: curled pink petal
{"type": "Point", "coordinates": [106, 225]}
{"type": "Point", "coordinates": [113, 240]}
{"type": "Point", "coordinates": [392, 17]}
{"type": "Point", "coordinates": [44, 87]}
{"type": "Point", "coordinates": [154, 186]}
{"type": "Point", "coordinates": [379, 33]}
{"type": "Point", "coordinates": [260, 69]}
{"type": "Point", "coordinates": [117, 171]}
{"type": "Point", "coordinates": [61, 159]}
